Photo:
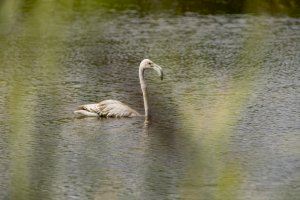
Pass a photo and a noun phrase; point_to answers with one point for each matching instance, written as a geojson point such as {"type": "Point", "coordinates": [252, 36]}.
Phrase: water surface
{"type": "Point", "coordinates": [225, 118]}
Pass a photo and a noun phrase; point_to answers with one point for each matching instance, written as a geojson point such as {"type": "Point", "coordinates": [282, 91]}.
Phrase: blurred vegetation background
{"type": "Point", "coordinates": [55, 54]}
{"type": "Point", "coordinates": [281, 7]}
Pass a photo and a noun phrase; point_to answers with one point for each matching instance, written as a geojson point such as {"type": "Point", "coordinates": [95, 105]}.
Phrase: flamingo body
{"type": "Point", "coordinates": [106, 108]}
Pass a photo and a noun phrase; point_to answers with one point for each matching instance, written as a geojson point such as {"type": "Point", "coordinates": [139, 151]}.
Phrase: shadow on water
{"type": "Point", "coordinates": [223, 119]}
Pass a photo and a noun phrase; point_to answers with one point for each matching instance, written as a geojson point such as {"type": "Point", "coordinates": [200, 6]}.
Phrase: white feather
{"type": "Point", "coordinates": [106, 108]}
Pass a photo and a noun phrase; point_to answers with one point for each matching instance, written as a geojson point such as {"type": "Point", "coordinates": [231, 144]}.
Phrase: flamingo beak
{"type": "Point", "coordinates": [158, 69]}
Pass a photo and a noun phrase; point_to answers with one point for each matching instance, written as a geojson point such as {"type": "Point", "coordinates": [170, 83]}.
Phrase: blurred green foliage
{"type": "Point", "coordinates": [287, 7]}
{"type": "Point", "coordinates": [37, 21]}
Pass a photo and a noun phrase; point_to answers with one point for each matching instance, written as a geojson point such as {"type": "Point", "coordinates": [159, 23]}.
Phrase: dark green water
{"type": "Point", "coordinates": [225, 118]}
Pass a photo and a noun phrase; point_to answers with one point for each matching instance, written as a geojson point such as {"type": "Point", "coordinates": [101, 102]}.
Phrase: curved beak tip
{"type": "Point", "coordinates": [159, 71]}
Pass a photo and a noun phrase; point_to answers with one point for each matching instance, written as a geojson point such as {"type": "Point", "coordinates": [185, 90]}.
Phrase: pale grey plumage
{"type": "Point", "coordinates": [107, 108]}
{"type": "Point", "coordinates": [114, 108]}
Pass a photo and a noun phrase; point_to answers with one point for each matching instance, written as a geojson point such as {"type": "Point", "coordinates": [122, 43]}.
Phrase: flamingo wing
{"type": "Point", "coordinates": [107, 108]}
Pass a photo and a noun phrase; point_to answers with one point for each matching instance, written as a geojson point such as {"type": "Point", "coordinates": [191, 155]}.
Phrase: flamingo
{"type": "Point", "coordinates": [117, 109]}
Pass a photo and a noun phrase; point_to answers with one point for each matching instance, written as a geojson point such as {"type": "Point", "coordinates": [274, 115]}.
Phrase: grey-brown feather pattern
{"type": "Point", "coordinates": [110, 108]}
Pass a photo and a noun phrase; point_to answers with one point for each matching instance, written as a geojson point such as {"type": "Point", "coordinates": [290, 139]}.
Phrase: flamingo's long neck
{"type": "Point", "coordinates": [144, 90]}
